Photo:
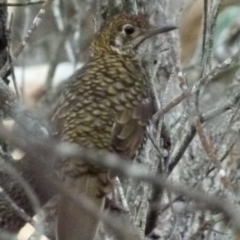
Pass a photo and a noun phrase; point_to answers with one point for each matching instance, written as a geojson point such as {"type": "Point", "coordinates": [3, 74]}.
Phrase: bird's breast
{"type": "Point", "coordinates": [103, 89]}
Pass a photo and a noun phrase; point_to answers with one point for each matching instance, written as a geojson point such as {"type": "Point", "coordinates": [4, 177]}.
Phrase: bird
{"type": "Point", "coordinates": [106, 105]}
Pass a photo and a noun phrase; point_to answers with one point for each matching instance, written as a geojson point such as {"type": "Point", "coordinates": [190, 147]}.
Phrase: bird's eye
{"type": "Point", "coordinates": [128, 29]}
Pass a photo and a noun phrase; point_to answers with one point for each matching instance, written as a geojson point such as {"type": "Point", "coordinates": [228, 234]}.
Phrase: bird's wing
{"type": "Point", "coordinates": [129, 128]}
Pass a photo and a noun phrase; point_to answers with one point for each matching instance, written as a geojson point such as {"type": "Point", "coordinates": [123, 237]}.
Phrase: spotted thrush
{"type": "Point", "coordinates": [106, 105]}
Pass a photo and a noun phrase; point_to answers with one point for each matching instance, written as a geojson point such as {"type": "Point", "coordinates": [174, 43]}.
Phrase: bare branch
{"type": "Point", "coordinates": [111, 161]}
{"type": "Point", "coordinates": [184, 142]}
{"type": "Point", "coordinates": [204, 80]}
{"type": "Point", "coordinates": [27, 37]}
{"type": "Point", "coordinates": [130, 6]}
{"type": "Point", "coordinates": [22, 4]}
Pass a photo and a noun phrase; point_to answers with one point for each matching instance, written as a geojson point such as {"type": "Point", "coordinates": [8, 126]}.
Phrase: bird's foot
{"type": "Point", "coordinates": [113, 205]}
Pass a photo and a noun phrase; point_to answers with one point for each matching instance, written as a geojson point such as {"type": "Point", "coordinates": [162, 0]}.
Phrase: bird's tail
{"type": "Point", "coordinates": [74, 222]}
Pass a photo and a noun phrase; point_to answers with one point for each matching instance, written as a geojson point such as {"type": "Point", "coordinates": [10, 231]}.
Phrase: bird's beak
{"type": "Point", "coordinates": [156, 31]}
{"type": "Point", "coordinates": [145, 34]}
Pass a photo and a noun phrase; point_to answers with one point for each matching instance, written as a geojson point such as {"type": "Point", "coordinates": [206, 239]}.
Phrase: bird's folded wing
{"type": "Point", "coordinates": [129, 128]}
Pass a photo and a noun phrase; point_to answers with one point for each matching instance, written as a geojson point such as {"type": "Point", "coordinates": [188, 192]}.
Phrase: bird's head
{"type": "Point", "coordinates": [124, 33]}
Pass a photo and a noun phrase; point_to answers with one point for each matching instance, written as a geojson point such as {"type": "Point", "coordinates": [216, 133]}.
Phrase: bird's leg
{"type": "Point", "coordinates": [112, 202]}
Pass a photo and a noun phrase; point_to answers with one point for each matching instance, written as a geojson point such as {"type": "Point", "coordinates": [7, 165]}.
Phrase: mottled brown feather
{"type": "Point", "coordinates": [129, 128]}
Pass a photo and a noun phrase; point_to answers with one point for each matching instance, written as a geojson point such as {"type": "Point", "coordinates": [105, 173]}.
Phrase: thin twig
{"type": "Point", "coordinates": [206, 79]}
{"type": "Point", "coordinates": [184, 142]}
{"type": "Point", "coordinates": [29, 192]}
{"type": "Point", "coordinates": [130, 6]}
{"type": "Point", "coordinates": [115, 163]}
{"type": "Point", "coordinates": [27, 37]}
{"type": "Point", "coordinates": [209, 149]}
{"type": "Point", "coordinates": [18, 210]}
{"type": "Point", "coordinates": [62, 28]}
{"type": "Point", "coordinates": [205, 34]}
{"type": "Point", "coordinates": [224, 155]}
{"type": "Point", "coordinates": [22, 4]}
{"type": "Point", "coordinates": [54, 59]}
{"type": "Point", "coordinates": [122, 196]}
{"type": "Point", "coordinates": [10, 57]}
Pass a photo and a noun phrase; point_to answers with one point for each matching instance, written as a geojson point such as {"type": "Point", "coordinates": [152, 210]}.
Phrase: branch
{"type": "Point", "coordinates": [130, 6]}
{"type": "Point", "coordinates": [184, 142]}
{"type": "Point", "coordinates": [21, 4]}
{"type": "Point", "coordinates": [204, 80]}
{"type": "Point", "coordinates": [34, 172]}
{"type": "Point", "coordinates": [111, 161]}
{"type": "Point", "coordinates": [208, 147]}
{"type": "Point", "coordinates": [27, 37]}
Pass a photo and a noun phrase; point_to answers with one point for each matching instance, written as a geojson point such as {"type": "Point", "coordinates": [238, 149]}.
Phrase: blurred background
{"type": "Point", "coordinates": [205, 38]}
